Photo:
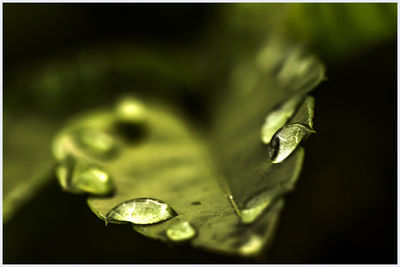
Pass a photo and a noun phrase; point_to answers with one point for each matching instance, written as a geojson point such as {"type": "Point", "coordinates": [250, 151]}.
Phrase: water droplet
{"type": "Point", "coordinates": [141, 211]}
{"type": "Point", "coordinates": [255, 207]}
{"type": "Point", "coordinates": [305, 112]}
{"type": "Point", "coordinates": [92, 179]}
{"type": "Point", "coordinates": [64, 172]}
{"type": "Point", "coordinates": [130, 115]}
{"type": "Point", "coordinates": [62, 176]}
{"type": "Point", "coordinates": [278, 117]}
{"type": "Point", "coordinates": [96, 142]}
{"type": "Point", "coordinates": [181, 231]}
{"type": "Point", "coordinates": [80, 177]}
{"type": "Point", "coordinates": [295, 68]}
{"type": "Point", "coordinates": [286, 140]}
{"type": "Point", "coordinates": [252, 246]}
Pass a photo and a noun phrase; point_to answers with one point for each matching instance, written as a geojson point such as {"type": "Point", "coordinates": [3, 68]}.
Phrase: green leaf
{"type": "Point", "coordinates": [219, 191]}
{"type": "Point", "coordinates": [28, 162]}
{"type": "Point", "coordinates": [52, 87]}
{"type": "Point", "coordinates": [240, 116]}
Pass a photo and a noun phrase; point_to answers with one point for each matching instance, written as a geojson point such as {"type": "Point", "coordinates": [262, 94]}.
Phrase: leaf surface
{"type": "Point", "coordinates": [28, 162]}
{"type": "Point", "coordinates": [223, 183]}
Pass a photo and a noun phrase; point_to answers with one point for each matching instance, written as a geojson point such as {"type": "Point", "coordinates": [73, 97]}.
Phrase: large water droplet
{"type": "Point", "coordinates": [80, 177]}
{"type": "Point", "coordinates": [286, 140]}
{"type": "Point", "coordinates": [96, 142]}
{"type": "Point", "coordinates": [130, 115]}
{"type": "Point", "coordinates": [181, 231]}
{"type": "Point", "coordinates": [278, 117]}
{"type": "Point", "coordinates": [141, 211]}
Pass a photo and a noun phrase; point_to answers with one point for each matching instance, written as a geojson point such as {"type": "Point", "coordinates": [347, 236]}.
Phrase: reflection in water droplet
{"type": "Point", "coordinates": [181, 231]}
{"type": "Point", "coordinates": [96, 142]}
{"type": "Point", "coordinates": [252, 246]}
{"type": "Point", "coordinates": [141, 211]}
{"type": "Point", "coordinates": [278, 117]}
{"type": "Point", "coordinates": [255, 207]}
{"type": "Point", "coordinates": [79, 177]}
{"type": "Point", "coordinates": [286, 140]}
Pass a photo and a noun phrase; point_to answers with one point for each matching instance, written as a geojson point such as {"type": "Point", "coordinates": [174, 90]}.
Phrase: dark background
{"type": "Point", "coordinates": [344, 208]}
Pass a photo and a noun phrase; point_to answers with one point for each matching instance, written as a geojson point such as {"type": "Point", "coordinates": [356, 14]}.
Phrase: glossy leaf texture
{"type": "Point", "coordinates": [221, 190]}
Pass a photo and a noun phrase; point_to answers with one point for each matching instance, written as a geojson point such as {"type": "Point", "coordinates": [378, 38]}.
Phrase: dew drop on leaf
{"type": "Point", "coordinates": [92, 179]}
{"type": "Point", "coordinates": [181, 231]}
{"type": "Point", "coordinates": [258, 204]}
{"type": "Point", "coordinates": [130, 115]}
{"type": "Point", "coordinates": [80, 177]}
{"type": "Point", "coordinates": [295, 68]}
{"type": "Point", "coordinates": [255, 207]}
{"type": "Point", "coordinates": [252, 246]}
{"type": "Point", "coordinates": [96, 142]}
{"type": "Point", "coordinates": [141, 211]}
{"type": "Point", "coordinates": [286, 140]}
{"type": "Point", "coordinates": [62, 173]}
{"type": "Point", "coordinates": [278, 117]}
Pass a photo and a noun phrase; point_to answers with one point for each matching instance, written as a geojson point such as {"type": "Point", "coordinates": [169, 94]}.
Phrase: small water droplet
{"type": "Point", "coordinates": [130, 115]}
{"type": "Point", "coordinates": [92, 179]}
{"type": "Point", "coordinates": [278, 117]}
{"type": "Point", "coordinates": [141, 211]}
{"type": "Point", "coordinates": [256, 206]}
{"type": "Point", "coordinates": [64, 172]}
{"type": "Point", "coordinates": [62, 176]}
{"type": "Point", "coordinates": [80, 177]}
{"type": "Point", "coordinates": [286, 140]}
{"type": "Point", "coordinates": [250, 215]}
{"type": "Point", "coordinates": [181, 231]}
{"type": "Point", "coordinates": [252, 246]}
{"type": "Point", "coordinates": [96, 142]}
{"type": "Point", "coordinates": [296, 66]}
